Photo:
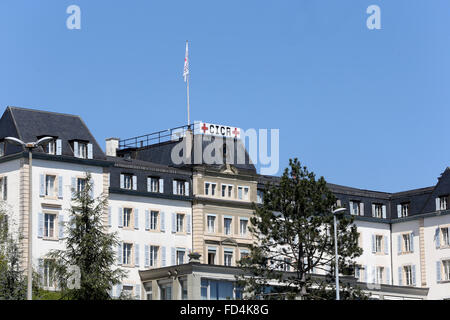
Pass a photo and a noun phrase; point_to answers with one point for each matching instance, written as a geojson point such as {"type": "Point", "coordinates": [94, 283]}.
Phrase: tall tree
{"type": "Point", "coordinates": [84, 269]}
{"type": "Point", "coordinates": [294, 232]}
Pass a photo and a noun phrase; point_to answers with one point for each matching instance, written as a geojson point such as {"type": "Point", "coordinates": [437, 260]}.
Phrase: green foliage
{"type": "Point", "coordinates": [294, 229]}
{"type": "Point", "coordinates": [89, 247]}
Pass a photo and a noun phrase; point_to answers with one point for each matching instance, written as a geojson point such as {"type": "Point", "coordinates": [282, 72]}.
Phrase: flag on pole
{"type": "Point", "coordinates": [186, 64]}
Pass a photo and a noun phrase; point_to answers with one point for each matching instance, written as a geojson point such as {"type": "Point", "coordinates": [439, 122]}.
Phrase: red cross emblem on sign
{"type": "Point", "coordinates": [204, 128]}
{"type": "Point", "coordinates": [235, 132]}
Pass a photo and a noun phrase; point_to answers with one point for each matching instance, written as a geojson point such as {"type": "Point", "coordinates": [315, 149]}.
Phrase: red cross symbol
{"type": "Point", "coordinates": [204, 128]}
{"type": "Point", "coordinates": [235, 132]}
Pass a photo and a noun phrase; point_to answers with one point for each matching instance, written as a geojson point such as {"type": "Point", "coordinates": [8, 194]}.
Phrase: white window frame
{"type": "Point", "coordinates": [243, 234]}
{"type": "Point", "coordinates": [407, 274]}
{"type": "Point", "coordinates": [48, 277]}
{"type": "Point", "coordinates": [180, 222]}
{"type": "Point", "coordinates": [245, 193]}
{"type": "Point", "coordinates": [127, 181]}
{"type": "Point", "coordinates": [154, 184]}
{"type": "Point", "coordinates": [379, 275]}
{"type": "Point", "coordinates": [47, 223]}
{"type": "Point", "coordinates": [154, 215]}
{"type": "Point", "coordinates": [178, 252]}
{"type": "Point", "coordinates": [79, 184]}
{"type": "Point", "coordinates": [127, 260]}
{"type": "Point", "coordinates": [378, 210]}
{"type": "Point", "coordinates": [213, 225]}
{"type": "Point", "coordinates": [153, 256]}
{"type": "Point", "coordinates": [445, 236]}
{"type": "Point", "coordinates": [405, 209]}
{"type": "Point", "coordinates": [379, 243]}
{"type": "Point", "coordinates": [446, 269]}
{"type": "Point", "coordinates": [231, 226]}
{"type": "Point", "coordinates": [125, 212]}
{"type": "Point", "coordinates": [406, 242]}
{"type": "Point", "coordinates": [226, 191]}
{"type": "Point", "coordinates": [53, 193]}
{"type": "Point", "coordinates": [443, 200]}
{"type": "Point", "coordinates": [228, 258]}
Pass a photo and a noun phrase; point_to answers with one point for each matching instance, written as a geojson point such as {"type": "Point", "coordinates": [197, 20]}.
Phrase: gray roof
{"type": "Point", "coordinates": [28, 125]}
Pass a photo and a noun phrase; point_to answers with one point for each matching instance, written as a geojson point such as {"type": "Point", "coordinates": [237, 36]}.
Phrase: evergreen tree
{"type": "Point", "coordinates": [84, 269]}
{"type": "Point", "coordinates": [294, 232]}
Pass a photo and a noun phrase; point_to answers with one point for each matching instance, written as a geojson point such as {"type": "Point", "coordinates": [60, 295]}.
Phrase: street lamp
{"type": "Point", "coordinates": [30, 146]}
{"type": "Point", "coordinates": [336, 251]}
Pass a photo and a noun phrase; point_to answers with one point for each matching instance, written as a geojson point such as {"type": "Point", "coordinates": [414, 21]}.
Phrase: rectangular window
{"type": "Point", "coordinates": [48, 275]}
{"type": "Point", "coordinates": [405, 209]}
{"type": "Point", "coordinates": [50, 147]}
{"type": "Point", "coordinates": [227, 225]}
{"type": "Point", "coordinates": [179, 185]}
{"type": "Point", "coordinates": [286, 265]}
{"type": "Point", "coordinates": [227, 191]}
{"type": "Point", "coordinates": [228, 258]}
{"type": "Point", "coordinates": [355, 208]}
{"type": "Point", "coordinates": [127, 215]}
{"type": "Point", "coordinates": [407, 270]}
{"type": "Point", "coordinates": [378, 211]}
{"type": "Point", "coordinates": [82, 150]}
{"type": "Point", "coordinates": [211, 224]}
{"type": "Point", "coordinates": [211, 256]}
{"type": "Point", "coordinates": [378, 243]}
{"type": "Point", "coordinates": [50, 185]}
{"type": "Point", "coordinates": [243, 193]}
{"type": "Point", "coordinates": [180, 222]}
{"type": "Point", "coordinates": [154, 256]}
{"type": "Point", "coordinates": [183, 289]}
{"type": "Point", "coordinates": [445, 237]}
{"type": "Point", "coordinates": [259, 196]}
{"type": "Point", "coordinates": [165, 291]}
{"type": "Point", "coordinates": [49, 225]}
{"type": "Point", "coordinates": [180, 256]}
{"type": "Point", "coordinates": [358, 273]}
{"type": "Point", "coordinates": [154, 220]}
{"type": "Point", "coordinates": [81, 184]}
{"type": "Point", "coordinates": [443, 202]}
{"type": "Point", "coordinates": [406, 243]}
{"type": "Point", "coordinates": [127, 291]}
{"type": "Point", "coordinates": [204, 289]}
{"type": "Point", "coordinates": [379, 275]}
{"type": "Point", "coordinates": [2, 149]}
{"type": "Point", "coordinates": [127, 254]}
{"type": "Point", "coordinates": [243, 227]}
{"type": "Point", "coordinates": [154, 184]}
{"type": "Point", "coordinates": [446, 265]}
{"type": "Point", "coordinates": [128, 181]}
{"type": "Point", "coordinates": [2, 196]}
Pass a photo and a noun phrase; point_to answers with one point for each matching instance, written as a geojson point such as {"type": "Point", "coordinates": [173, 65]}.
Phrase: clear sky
{"type": "Point", "coordinates": [364, 108]}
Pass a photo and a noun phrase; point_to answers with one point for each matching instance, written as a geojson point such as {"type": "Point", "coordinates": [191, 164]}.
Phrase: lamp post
{"type": "Point", "coordinates": [336, 251]}
{"type": "Point", "coordinates": [30, 146]}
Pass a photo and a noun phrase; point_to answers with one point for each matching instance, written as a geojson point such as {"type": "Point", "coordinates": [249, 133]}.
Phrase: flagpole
{"type": "Point", "coordinates": [187, 81]}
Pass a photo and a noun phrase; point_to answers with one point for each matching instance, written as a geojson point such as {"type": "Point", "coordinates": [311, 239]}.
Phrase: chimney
{"type": "Point", "coordinates": [112, 144]}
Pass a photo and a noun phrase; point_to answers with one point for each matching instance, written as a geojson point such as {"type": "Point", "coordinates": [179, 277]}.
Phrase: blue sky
{"type": "Point", "coordinates": [364, 108]}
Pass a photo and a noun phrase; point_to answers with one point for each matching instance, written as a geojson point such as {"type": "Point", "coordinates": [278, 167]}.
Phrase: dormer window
{"type": "Point", "coordinates": [82, 149]}
{"type": "Point", "coordinates": [50, 147]}
{"type": "Point", "coordinates": [442, 203]}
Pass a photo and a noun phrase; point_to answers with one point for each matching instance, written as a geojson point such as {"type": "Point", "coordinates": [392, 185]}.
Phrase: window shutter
{"type": "Point", "coordinates": [188, 224]}
{"type": "Point", "coordinates": [138, 291]}
{"type": "Point", "coordinates": [438, 204]}
{"type": "Point", "coordinates": [136, 255]}
{"type": "Point", "coordinates": [91, 192]}
{"type": "Point", "coordinates": [75, 149]}
{"type": "Point", "coordinates": [134, 182]}
{"type": "Point", "coordinates": [437, 238]}
{"type": "Point", "coordinates": [373, 210]}
{"type": "Point", "coordinates": [384, 211]}
{"type": "Point", "coordinates": [58, 147]}
{"type": "Point", "coordinates": [147, 255]}
{"type": "Point", "coordinates": [366, 278]}
{"type": "Point", "coordinates": [163, 256]}
{"type": "Point", "coordinates": [411, 237]}
{"type": "Point", "coordinates": [5, 188]}
{"type": "Point", "coordinates": [161, 185]}
{"type": "Point", "coordinates": [388, 275]}
{"type": "Point", "coordinates": [399, 210]}
{"type": "Point", "coordinates": [136, 219]}
{"type": "Point", "coordinates": [163, 221]}
{"type": "Point", "coordinates": [119, 254]}
{"type": "Point", "coordinates": [374, 274]}
{"type": "Point", "coordinates": [61, 226]}
{"type": "Point", "coordinates": [89, 151]}
{"type": "Point", "coordinates": [174, 187]}
{"type": "Point", "coordinates": [399, 244]}
{"type": "Point", "coordinates": [173, 254]}
{"type": "Point", "coordinates": [351, 207]}
{"type": "Point", "coordinates": [400, 276]}
{"type": "Point", "coordinates": [120, 216]}
{"type": "Point", "coordinates": [149, 184]}
{"type": "Point", "coordinates": [74, 185]}
{"type": "Point", "coordinates": [60, 187]}
{"type": "Point", "coordinates": [147, 220]}
{"type": "Point", "coordinates": [373, 244]}
{"type": "Point", "coordinates": [42, 185]}
{"type": "Point", "coordinates": [40, 225]}
{"type": "Point", "coordinates": [361, 208]}
{"type": "Point", "coordinates": [413, 270]}
{"type": "Point", "coordinates": [109, 216]}
{"type": "Point", "coordinates": [122, 181]}
{"type": "Point", "coordinates": [186, 188]}
{"type": "Point", "coordinates": [174, 222]}
{"type": "Point", "coordinates": [386, 245]}
{"type": "Point", "coordinates": [438, 271]}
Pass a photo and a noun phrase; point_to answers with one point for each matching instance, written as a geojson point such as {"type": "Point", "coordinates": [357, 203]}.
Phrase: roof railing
{"type": "Point", "coordinates": [172, 134]}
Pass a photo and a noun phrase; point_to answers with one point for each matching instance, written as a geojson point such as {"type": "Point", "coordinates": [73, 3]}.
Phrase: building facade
{"type": "Point", "coordinates": [163, 209]}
